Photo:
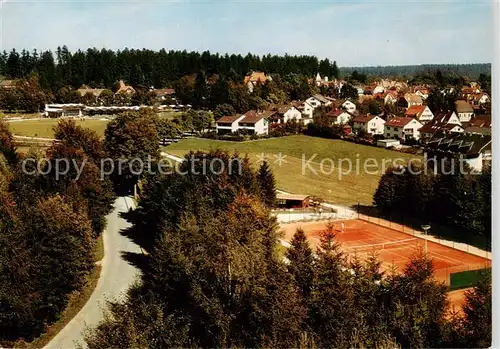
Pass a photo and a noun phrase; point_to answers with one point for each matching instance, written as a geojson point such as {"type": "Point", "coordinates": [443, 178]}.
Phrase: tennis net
{"type": "Point", "coordinates": [390, 245]}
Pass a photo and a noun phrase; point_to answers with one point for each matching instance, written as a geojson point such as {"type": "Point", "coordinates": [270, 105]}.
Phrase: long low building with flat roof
{"type": "Point", "coordinates": [293, 200]}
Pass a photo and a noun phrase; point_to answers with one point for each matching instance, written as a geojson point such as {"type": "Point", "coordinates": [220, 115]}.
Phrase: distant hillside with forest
{"type": "Point", "coordinates": [470, 71]}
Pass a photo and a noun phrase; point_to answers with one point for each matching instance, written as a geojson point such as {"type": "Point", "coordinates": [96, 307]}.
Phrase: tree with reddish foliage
{"type": "Point", "coordinates": [7, 147]}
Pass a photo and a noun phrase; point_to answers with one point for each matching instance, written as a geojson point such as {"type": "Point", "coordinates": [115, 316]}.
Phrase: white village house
{"type": "Point", "coordinates": [448, 122]}
{"type": "Point", "coordinates": [285, 113]}
{"type": "Point", "coordinates": [318, 101]}
{"type": "Point", "coordinates": [481, 98]}
{"type": "Point", "coordinates": [410, 99]}
{"type": "Point", "coordinates": [228, 124]}
{"type": "Point", "coordinates": [402, 128]}
{"type": "Point", "coordinates": [372, 124]}
{"type": "Point", "coordinates": [307, 112]}
{"type": "Point", "coordinates": [349, 106]}
{"type": "Point", "coordinates": [378, 89]}
{"type": "Point", "coordinates": [391, 97]}
{"type": "Point", "coordinates": [252, 121]}
{"type": "Point", "coordinates": [339, 116]}
{"type": "Point", "coordinates": [420, 112]}
{"type": "Point", "coordinates": [312, 103]}
{"type": "Point", "coordinates": [465, 111]}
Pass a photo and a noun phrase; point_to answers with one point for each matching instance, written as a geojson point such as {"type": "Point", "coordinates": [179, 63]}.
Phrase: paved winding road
{"type": "Point", "coordinates": [116, 277]}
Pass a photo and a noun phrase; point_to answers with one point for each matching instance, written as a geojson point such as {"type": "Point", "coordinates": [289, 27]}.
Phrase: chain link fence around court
{"type": "Point", "coordinates": [459, 276]}
{"type": "Point", "coordinates": [313, 214]}
{"type": "Point", "coordinates": [418, 233]}
{"type": "Point", "coordinates": [462, 276]}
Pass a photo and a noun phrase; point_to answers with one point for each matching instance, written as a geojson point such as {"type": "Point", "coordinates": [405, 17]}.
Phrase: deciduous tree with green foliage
{"type": "Point", "coordinates": [223, 110]}
{"type": "Point", "coordinates": [348, 91]}
{"type": "Point", "coordinates": [7, 148]}
{"type": "Point", "coordinates": [132, 135]}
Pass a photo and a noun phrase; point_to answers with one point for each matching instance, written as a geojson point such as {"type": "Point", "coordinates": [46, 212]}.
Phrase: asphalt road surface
{"type": "Point", "coordinates": [116, 277]}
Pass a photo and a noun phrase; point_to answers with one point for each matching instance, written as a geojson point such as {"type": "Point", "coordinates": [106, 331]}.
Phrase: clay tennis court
{"type": "Point", "coordinates": [393, 248]}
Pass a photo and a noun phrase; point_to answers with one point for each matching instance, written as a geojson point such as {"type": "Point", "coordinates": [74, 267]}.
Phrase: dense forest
{"type": "Point", "coordinates": [102, 68]}
{"type": "Point", "coordinates": [146, 67]}
{"type": "Point", "coordinates": [471, 71]}
{"type": "Point", "coordinates": [49, 226]}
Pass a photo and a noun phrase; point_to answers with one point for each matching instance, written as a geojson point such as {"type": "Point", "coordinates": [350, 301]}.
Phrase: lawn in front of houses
{"type": "Point", "coordinates": [334, 170]}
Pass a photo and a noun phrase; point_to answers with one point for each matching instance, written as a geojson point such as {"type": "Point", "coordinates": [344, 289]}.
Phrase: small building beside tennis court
{"type": "Point", "coordinates": [293, 200]}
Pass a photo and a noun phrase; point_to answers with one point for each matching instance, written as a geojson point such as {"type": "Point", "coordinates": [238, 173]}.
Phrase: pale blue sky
{"type": "Point", "coordinates": [352, 33]}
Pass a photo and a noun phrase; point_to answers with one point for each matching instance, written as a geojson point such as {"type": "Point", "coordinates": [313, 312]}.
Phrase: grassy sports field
{"type": "Point", "coordinates": [43, 128]}
{"type": "Point", "coordinates": [330, 169]}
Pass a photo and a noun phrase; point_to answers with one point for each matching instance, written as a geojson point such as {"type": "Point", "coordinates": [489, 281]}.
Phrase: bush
{"type": "Point", "coordinates": [322, 131]}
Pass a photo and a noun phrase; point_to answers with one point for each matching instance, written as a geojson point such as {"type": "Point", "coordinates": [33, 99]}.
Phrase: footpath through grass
{"type": "Point", "coordinates": [334, 170]}
{"type": "Point", "coordinates": [44, 128]}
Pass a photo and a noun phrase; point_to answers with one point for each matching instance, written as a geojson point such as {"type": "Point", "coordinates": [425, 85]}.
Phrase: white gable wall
{"type": "Point", "coordinates": [409, 130]}
{"type": "Point", "coordinates": [454, 120]}
{"type": "Point", "coordinates": [343, 118]}
{"type": "Point", "coordinates": [465, 117]}
{"type": "Point", "coordinates": [349, 106]}
{"type": "Point", "coordinates": [308, 110]}
{"type": "Point", "coordinates": [426, 116]}
{"type": "Point", "coordinates": [292, 113]}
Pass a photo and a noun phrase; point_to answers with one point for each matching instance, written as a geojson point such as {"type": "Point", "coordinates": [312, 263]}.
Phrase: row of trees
{"type": "Point", "coordinates": [27, 95]}
{"type": "Point", "coordinates": [198, 90]}
{"type": "Point", "coordinates": [202, 91]}
{"type": "Point", "coordinates": [461, 199]}
{"type": "Point", "coordinates": [147, 67]}
{"type": "Point", "coordinates": [214, 276]}
{"type": "Point", "coordinates": [48, 227]}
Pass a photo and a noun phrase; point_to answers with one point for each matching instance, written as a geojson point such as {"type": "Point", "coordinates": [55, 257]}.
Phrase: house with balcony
{"type": "Point", "coordinates": [307, 112]}
{"type": "Point", "coordinates": [254, 122]}
{"type": "Point", "coordinates": [228, 124]}
{"type": "Point", "coordinates": [465, 112]}
{"type": "Point", "coordinates": [442, 122]}
{"type": "Point", "coordinates": [349, 106]}
{"type": "Point", "coordinates": [319, 101]}
{"type": "Point", "coordinates": [420, 112]}
{"type": "Point", "coordinates": [339, 116]}
{"type": "Point", "coordinates": [402, 128]}
{"type": "Point", "coordinates": [371, 124]}
{"type": "Point", "coordinates": [284, 113]}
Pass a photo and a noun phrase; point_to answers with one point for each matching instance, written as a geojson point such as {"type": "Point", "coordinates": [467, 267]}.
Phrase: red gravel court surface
{"type": "Point", "coordinates": [393, 248]}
